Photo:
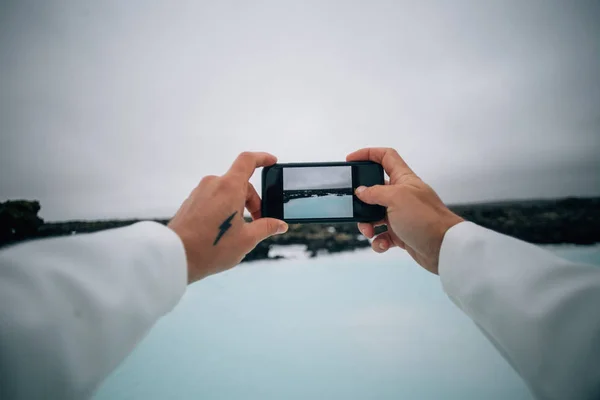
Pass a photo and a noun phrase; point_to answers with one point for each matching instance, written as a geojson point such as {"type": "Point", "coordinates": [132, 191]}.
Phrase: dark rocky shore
{"type": "Point", "coordinates": [563, 221]}
{"type": "Point", "coordinates": [299, 194]}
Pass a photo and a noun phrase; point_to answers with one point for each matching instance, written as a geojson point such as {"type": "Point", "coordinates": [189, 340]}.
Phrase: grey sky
{"type": "Point", "coordinates": [118, 108]}
{"type": "Point", "coordinates": [317, 178]}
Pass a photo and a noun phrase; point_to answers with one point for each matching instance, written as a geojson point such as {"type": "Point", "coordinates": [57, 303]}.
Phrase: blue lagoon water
{"type": "Point", "coordinates": [319, 207]}
{"type": "Point", "coordinates": [351, 326]}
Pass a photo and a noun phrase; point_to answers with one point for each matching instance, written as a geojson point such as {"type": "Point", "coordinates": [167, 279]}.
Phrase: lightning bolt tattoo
{"type": "Point", "coordinates": [224, 227]}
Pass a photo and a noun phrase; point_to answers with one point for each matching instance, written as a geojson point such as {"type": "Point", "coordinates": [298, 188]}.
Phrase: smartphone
{"type": "Point", "coordinates": [320, 192]}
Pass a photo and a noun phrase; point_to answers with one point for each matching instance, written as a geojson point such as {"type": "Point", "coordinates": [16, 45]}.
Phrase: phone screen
{"type": "Point", "coordinates": [317, 192]}
{"type": "Point", "coordinates": [320, 192]}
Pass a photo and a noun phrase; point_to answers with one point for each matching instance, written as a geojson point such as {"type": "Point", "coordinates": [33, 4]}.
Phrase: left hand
{"type": "Point", "coordinates": [211, 221]}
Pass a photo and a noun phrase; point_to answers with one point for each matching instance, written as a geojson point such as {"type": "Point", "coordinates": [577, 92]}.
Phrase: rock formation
{"type": "Point", "coordinates": [571, 220]}
{"type": "Point", "coordinates": [19, 220]}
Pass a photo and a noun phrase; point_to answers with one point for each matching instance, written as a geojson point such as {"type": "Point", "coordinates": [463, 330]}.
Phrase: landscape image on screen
{"type": "Point", "coordinates": [317, 192]}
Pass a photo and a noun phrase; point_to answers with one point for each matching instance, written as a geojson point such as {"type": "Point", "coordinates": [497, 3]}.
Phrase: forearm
{"type": "Point", "coordinates": [72, 308]}
{"type": "Point", "coordinates": [539, 311]}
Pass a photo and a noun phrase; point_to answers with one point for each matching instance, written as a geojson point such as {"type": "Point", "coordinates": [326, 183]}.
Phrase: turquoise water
{"type": "Point", "coordinates": [352, 326]}
{"type": "Point", "coordinates": [331, 206]}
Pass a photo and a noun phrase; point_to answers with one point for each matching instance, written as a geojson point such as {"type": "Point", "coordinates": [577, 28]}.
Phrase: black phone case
{"type": "Point", "coordinates": [318, 220]}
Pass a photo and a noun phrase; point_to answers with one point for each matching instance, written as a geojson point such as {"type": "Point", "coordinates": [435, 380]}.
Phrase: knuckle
{"type": "Point", "coordinates": [208, 179]}
{"type": "Point", "coordinates": [245, 154]}
{"type": "Point", "coordinates": [370, 191]}
{"type": "Point", "coordinates": [393, 152]}
{"type": "Point", "coordinates": [270, 227]}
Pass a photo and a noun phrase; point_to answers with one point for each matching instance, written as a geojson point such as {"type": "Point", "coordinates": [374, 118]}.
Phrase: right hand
{"type": "Point", "coordinates": [417, 219]}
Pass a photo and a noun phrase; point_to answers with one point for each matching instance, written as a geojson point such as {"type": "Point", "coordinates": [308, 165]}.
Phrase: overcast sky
{"type": "Point", "coordinates": [317, 178]}
{"type": "Point", "coordinates": [118, 108]}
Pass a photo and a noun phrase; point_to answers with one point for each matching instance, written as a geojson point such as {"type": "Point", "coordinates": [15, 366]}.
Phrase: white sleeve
{"type": "Point", "coordinates": [71, 309]}
{"type": "Point", "coordinates": [541, 312]}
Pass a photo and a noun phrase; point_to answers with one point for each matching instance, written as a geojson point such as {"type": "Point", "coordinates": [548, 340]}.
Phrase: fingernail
{"type": "Point", "coordinates": [383, 245]}
{"type": "Point", "coordinates": [282, 228]}
{"type": "Point", "coordinates": [360, 189]}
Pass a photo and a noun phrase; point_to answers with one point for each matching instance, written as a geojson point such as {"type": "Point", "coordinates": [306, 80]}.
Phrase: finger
{"type": "Point", "coordinates": [263, 228]}
{"type": "Point", "coordinates": [382, 243]}
{"type": "Point", "coordinates": [253, 202]}
{"type": "Point", "coordinates": [366, 229]}
{"type": "Point", "coordinates": [245, 164]}
{"type": "Point", "coordinates": [377, 194]}
{"type": "Point", "coordinates": [391, 161]}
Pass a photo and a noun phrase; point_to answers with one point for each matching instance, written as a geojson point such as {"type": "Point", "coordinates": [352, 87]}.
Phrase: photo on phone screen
{"type": "Point", "coordinates": [317, 192]}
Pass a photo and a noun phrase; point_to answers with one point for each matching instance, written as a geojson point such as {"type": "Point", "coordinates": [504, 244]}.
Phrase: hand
{"type": "Point", "coordinates": [417, 219]}
{"type": "Point", "coordinates": [211, 221]}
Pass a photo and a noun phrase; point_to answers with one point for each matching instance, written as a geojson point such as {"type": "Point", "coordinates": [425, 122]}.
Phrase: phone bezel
{"type": "Point", "coordinates": [377, 216]}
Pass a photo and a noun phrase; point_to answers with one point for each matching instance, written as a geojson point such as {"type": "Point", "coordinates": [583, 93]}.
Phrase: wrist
{"type": "Point", "coordinates": [447, 222]}
{"type": "Point", "coordinates": [190, 271]}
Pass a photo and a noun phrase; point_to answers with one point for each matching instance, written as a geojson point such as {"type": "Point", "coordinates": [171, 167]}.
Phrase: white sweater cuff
{"type": "Point", "coordinates": [166, 251]}
{"type": "Point", "coordinates": [459, 249]}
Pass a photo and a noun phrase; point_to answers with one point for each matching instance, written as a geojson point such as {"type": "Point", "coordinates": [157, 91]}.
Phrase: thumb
{"type": "Point", "coordinates": [263, 228]}
{"type": "Point", "coordinates": [377, 194]}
